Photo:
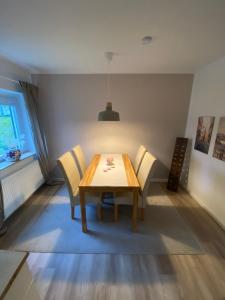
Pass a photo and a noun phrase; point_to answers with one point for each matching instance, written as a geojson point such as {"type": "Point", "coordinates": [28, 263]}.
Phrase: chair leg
{"type": "Point", "coordinates": [116, 212]}
{"type": "Point", "coordinates": [73, 212]}
{"type": "Point", "coordinates": [99, 212]}
{"type": "Point", "coordinates": [102, 196]}
{"type": "Point", "coordinates": [142, 213]}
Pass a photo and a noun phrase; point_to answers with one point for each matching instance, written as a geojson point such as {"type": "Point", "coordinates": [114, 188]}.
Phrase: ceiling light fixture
{"type": "Point", "coordinates": [146, 40]}
{"type": "Point", "coordinates": [108, 114]}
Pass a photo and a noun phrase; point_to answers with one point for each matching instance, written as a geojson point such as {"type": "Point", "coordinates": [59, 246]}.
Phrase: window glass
{"type": "Point", "coordinates": [7, 128]}
{"type": "Point", "coordinates": [15, 130]}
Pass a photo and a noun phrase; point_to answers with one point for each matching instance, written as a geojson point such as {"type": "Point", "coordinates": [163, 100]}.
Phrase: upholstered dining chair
{"type": "Point", "coordinates": [138, 159]}
{"type": "Point", "coordinates": [79, 155]}
{"type": "Point", "coordinates": [71, 175]}
{"type": "Point", "coordinates": [144, 175]}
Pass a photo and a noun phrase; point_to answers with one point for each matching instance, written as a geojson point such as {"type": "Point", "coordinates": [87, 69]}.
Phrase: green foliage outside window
{"type": "Point", "coordinates": [7, 132]}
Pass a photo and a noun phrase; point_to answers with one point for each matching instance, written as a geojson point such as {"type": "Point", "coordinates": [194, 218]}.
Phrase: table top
{"type": "Point", "coordinates": [10, 264]}
{"type": "Point", "coordinates": [110, 170]}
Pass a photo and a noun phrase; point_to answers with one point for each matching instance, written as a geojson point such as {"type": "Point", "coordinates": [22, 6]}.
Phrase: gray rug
{"type": "Point", "coordinates": [50, 229]}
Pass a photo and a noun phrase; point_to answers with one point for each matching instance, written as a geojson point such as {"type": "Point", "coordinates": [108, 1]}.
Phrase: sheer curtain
{"type": "Point", "coordinates": [30, 93]}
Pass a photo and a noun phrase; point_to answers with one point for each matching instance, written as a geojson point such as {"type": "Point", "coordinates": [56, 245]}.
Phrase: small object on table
{"type": "Point", "coordinates": [109, 161]}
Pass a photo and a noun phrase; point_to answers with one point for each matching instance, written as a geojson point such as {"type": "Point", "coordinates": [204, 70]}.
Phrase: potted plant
{"type": "Point", "coordinates": [14, 148]}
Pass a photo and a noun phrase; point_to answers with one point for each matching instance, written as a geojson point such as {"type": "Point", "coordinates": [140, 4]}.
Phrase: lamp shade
{"type": "Point", "coordinates": [108, 114]}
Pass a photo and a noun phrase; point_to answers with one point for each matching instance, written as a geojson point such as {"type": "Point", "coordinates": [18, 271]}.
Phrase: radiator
{"type": "Point", "coordinates": [19, 186]}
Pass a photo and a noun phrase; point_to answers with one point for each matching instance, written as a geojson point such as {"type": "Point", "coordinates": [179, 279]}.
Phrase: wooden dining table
{"type": "Point", "coordinates": [101, 176]}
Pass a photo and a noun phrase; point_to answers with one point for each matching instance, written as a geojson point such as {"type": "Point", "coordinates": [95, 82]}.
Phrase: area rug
{"type": "Point", "coordinates": [45, 226]}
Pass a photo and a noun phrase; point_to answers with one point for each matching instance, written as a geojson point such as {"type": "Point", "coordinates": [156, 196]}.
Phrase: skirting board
{"type": "Point", "coordinates": [158, 180]}
{"type": "Point", "coordinates": [206, 209]}
{"type": "Point", "coordinates": [58, 179]}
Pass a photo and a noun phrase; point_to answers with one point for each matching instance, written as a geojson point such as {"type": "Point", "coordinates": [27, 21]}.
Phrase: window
{"type": "Point", "coordinates": [15, 131]}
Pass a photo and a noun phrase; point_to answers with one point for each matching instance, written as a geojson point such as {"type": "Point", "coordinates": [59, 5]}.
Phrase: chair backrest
{"type": "Point", "coordinates": [70, 172]}
{"type": "Point", "coordinates": [138, 159]}
{"type": "Point", "coordinates": [144, 172]}
{"type": "Point", "coordinates": [79, 154]}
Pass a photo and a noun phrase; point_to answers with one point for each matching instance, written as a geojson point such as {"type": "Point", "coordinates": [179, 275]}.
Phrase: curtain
{"type": "Point", "coordinates": [30, 93]}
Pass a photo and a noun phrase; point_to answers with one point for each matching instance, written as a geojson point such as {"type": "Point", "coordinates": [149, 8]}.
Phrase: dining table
{"type": "Point", "coordinates": [109, 173]}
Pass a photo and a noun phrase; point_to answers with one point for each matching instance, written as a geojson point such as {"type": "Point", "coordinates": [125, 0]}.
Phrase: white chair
{"type": "Point", "coordinates": [79, 155]}
{"type": "Point", "coordinates": [144, 175]}
{"type": "Point", "coordinates": [138, 159]}
{"type": "Point", "coordinates": [71, 175]}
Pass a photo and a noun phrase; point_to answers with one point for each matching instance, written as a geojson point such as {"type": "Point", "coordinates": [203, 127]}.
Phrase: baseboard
{"type": "Point", "coordinates": [207, 210]}
{"type": "Point", "coordinates": [58, 179]}
{"type": "Point", "coordinates": [159, 180]}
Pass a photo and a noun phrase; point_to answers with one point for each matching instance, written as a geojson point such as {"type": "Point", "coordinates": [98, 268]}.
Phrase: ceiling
{"type": "Point", "coordinates": [71, 36]}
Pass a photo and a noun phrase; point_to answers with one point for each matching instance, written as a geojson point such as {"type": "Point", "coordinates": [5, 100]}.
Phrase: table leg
{"type": "Point", "coordinates": [135, 210]}
{"type": "Point", "coordinates": [83, 210]}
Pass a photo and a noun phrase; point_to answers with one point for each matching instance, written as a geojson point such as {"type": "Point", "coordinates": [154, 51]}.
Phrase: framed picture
{"type": "Point", "coordinates": [204, 133]}
{"type": "Point", "coordinates": [219, 148]}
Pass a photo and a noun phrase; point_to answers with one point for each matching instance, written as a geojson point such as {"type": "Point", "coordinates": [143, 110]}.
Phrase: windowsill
{"type": "Point", "coordinates": [7, 164]}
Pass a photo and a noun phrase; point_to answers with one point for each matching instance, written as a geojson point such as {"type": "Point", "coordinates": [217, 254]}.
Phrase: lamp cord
{"type": "Point", "coordinates": [109, 57]}
{"type": "Point", "coordinates": [108, 85]}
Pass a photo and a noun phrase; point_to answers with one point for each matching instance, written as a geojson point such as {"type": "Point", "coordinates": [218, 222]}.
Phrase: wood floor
{"type": "Point", "coordinates": [105, 276]}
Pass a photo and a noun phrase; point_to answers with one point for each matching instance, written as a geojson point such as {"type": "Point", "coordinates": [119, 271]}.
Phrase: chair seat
{"type": "Point", "coordinates": [71, 175]}
{"type": "Point", "coordinates": [126, 198]}
{"type": "Point", "coordinates": [143, 176]}
{"type": "Point", "coordinates": [90, 197]}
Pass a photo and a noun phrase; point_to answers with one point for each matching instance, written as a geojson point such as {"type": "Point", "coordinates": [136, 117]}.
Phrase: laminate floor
{"type": "Point", "coordinates": [139, 276]}
{"type": "Point", "coordinates": [123, 276]}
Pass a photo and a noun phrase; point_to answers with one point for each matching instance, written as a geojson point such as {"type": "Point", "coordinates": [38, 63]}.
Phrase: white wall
{"type": "Point", "coordinates": [207, 174]}
{"type": "Point", "coordinates": [153, 111]}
